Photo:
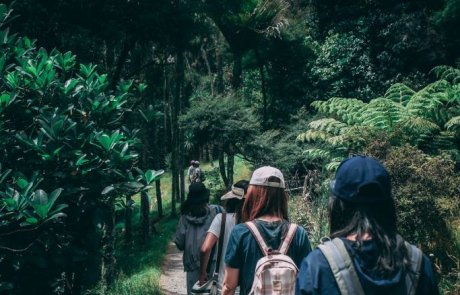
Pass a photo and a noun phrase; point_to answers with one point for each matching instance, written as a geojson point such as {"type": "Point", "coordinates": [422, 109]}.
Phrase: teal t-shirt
{"type": "Point", "coordinates": [243, 252]}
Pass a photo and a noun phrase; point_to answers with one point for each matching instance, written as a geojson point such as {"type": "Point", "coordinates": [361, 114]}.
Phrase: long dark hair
{"type": "Point", "coordinates": [262, 200]}
{"type": "Point", "coordinates": [235, 205]}
{"type": "Point", "coordinates": [376, 220]}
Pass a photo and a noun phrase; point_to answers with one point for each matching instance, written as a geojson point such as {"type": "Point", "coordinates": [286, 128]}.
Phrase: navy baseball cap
{"type": "Point", "coordinates": [361, 179]}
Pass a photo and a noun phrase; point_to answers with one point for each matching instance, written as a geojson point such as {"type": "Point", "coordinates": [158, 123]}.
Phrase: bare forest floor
{"type": "Point", "coordinates": [173, 280]}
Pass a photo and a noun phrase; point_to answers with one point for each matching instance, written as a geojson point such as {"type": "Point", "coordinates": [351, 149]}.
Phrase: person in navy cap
{"type": "Point", "coordinates": [364, 254]}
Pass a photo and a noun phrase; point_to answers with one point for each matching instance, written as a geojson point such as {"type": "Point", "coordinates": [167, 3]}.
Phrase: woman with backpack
{"type": "Point", "coordinates": [366, 255]}
{"type": "Point", "coordinates": [196, 217]}
{"type": "Point", "coordinates": [234, 200]}
{"type": "Point", "coordinates": [266, 229]}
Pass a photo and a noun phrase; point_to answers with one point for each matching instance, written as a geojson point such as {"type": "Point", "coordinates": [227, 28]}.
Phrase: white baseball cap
{"type": "Point", "coordinates": [261, 176]}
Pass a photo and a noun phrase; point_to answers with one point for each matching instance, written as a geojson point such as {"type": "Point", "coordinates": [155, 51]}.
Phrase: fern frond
{"type": "Point", "coordinates": [338, 140]}
{"type": "Point", "coordinates": [447, 73]}
{"type": "Point", "coordinates": [444, 141]}
{"type": "Point", "coordinates": [346, 109]}
{"type": "Point", "coordinates": [453, 124]}
{"type": "Point", "coordinates": [382, 113]}
{"type": "Point", "coordinates": [317, 154]}
{"type": "Point", "coordinates": [312, 136]}
{"type": "Point", "coordinates": [426, 102]}
{"type": "Point", "coordinates": [333, 165]}
{"type": "Point", "coordinates": [328, 125]}
{"type": "Point", "coordinates": [399, 93]}
{"type": "Point", "coordinates": [419, 125]}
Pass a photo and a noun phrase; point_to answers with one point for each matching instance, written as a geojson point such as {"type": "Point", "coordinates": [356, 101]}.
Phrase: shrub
{"type": "Point", "coordinates": [428, 199]}
{"type": "Point", "coordinates": [60, 127]}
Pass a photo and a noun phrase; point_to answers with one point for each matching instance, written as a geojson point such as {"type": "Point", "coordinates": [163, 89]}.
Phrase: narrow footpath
{"type": "Point", "coordinates": [172, 280]}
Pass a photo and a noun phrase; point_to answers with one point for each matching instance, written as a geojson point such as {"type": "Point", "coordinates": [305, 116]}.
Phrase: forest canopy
{"type": "Point", "coordinates": [99, 98]}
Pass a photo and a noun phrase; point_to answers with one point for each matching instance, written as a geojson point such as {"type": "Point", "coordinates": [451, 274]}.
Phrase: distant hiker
{"type": "Point", "coordinates": [197, 173]}
{"type": "Point", "coordinates": [366, 254]}
{"type": "Point", "coordinates": [191, 171]}
{"type": "Point", "coordinates": [265, 210]}
{"type": "Point", "coordinates": [233, 204]}
{"type": "Point", "coordinates": [196, 217]}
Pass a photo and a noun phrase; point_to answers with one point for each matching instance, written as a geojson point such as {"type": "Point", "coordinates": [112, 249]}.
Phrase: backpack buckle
{"type": "Point", "coordinates": [325, 239]}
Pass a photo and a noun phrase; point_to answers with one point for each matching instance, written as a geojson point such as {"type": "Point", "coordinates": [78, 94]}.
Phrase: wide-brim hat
{"type": "Point", "coordinates": [361, 179]}
{"type": "Point", "coordinates": [234, 193]}
{"type": "Point", "coordinates": [197, 193]}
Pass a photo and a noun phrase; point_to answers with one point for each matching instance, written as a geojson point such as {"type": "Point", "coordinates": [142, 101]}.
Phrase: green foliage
{"type": "Point", "coordinates": [427, 118]}
{"type": "Point", "coordinates": [69, 150]}
{"type": "Point", "coordinates": [222, 121]}
{"type": "Point", "coordinates": [140, 268]}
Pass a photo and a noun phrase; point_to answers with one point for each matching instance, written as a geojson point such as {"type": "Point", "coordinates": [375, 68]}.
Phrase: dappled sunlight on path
{"type": "Point", "coordinates": [173, 280]}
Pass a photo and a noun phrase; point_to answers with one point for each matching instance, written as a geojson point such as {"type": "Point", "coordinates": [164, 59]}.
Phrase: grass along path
{"type": "Point", "coordinates": [156, 268]}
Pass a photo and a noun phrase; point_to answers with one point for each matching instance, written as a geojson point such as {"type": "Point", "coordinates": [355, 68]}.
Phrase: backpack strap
{"type": "Point", "coordinates": [412, 276]}
{"type": "Point", "coordinates": [256, 233]}
{"type": "Point", "coordinates": [342, 267]}
{"type": "Point", "coordinates": [288, 239]}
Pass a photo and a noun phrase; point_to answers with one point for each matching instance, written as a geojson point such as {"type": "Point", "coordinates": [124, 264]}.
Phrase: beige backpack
{"type": "Point", "coordinates": [275, 272]}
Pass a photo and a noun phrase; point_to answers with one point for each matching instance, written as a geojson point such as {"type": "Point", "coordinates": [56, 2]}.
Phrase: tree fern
{"type": "Point", "coordinates": [428, 118]}
{"type": "Point", "coordinates": [399, 93]}
{"type": "Point", "coordinates": [447, 73]}
{"type": "Point", "coordinates": [382, 113]}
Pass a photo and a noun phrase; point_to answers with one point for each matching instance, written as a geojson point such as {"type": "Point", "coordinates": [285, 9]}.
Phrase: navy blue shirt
{"type": "Point", "coordinates": [243, 252]}
{"type": "Point", "coordinates": [315, 276]}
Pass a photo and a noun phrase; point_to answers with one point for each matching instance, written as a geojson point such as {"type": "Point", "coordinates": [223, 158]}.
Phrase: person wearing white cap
{"type": "Point", "coordinates": [265, 207]}
{"type": "Point", "coordinates": [233, 203]}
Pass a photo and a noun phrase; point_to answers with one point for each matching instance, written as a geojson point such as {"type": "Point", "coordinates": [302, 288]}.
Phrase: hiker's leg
{"type": "Point", "coordinates": [192, 278]}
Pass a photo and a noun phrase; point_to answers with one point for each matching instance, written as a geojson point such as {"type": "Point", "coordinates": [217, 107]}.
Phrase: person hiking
{"type": "Point", "coordinates": [234, 200]}
{"type": "Point", "coordinates": [191, 172]}
{"type": "Point", "coordinates": [197, 172]}
{"type": "Point", "coordinates": [366, 254]}
{"type": "Point", "coordinates": [196, 217]}
{"type": "Point", "coordinates": [266, 207]}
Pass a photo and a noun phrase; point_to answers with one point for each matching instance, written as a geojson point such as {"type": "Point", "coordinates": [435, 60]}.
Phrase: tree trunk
{"type": "Point", "coordinates": [222, 165]}
{"type": "Point", "coordinates": [176, 167]}
{"type": "Point", "coordinates": [263, 90]}
{"type": "Point", "coordinates": [127, 46]}
{"type": "Point", "coordinates": [208, 67]}
{"type": "Point", "coordinates": [159, 199]}
{"type": "Point", "coordinates": [220, 68]}
{"type": "Point", "coordinates": [182, 184]}
{"type": "Point", "coordinates": [157, 166]}
{"type": "Point", "coordinates": [128, 220]}
{"type": "Point", "coordinates": [108, 246]}
{"type": "Point", "coordinates": [237, 79]}
{"type": "Point", "coordinates": [230, 164]}
{"type": "Point", "coordinates": [145, 217]}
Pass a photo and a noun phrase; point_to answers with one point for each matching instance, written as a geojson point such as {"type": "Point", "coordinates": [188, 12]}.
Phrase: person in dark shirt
{"type": "Point", "coordinates": [266, 205]}
{"type": "Point", "coordinates": [363, 216]}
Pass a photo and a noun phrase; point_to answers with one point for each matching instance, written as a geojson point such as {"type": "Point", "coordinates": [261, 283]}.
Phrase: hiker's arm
{"type": "Point", "coordinates": [230, 280]}
{"type": "Point", "coordinates": [205, 253]}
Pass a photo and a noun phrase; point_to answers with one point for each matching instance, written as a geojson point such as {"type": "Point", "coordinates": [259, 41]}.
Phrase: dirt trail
{"type": "Point", "coordinates": [172, 280]}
